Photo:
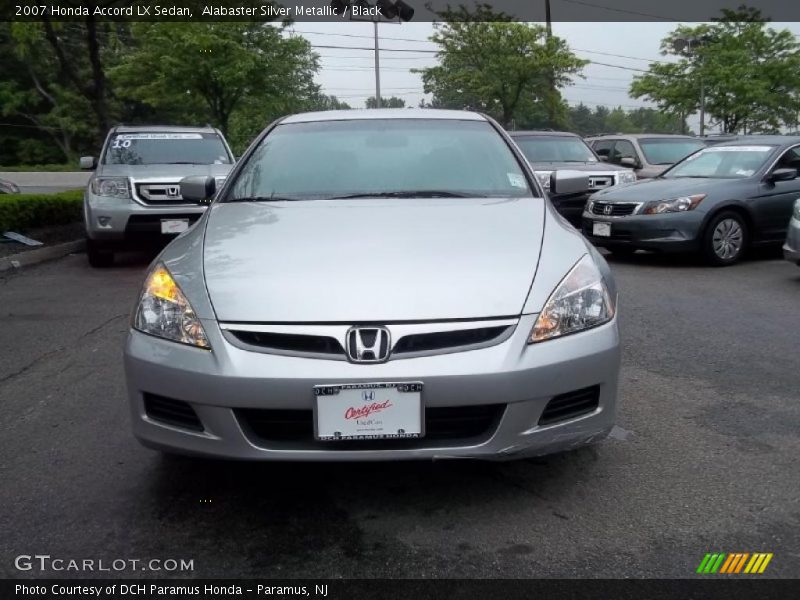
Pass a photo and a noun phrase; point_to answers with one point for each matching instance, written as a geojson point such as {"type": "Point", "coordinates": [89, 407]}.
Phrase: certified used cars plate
{"type": "Point", "coordinates": [601, 229]}
{"type": "Point", "coordinates": [174, 225]}
{"type": "Point", "coordinates": [368, 411]}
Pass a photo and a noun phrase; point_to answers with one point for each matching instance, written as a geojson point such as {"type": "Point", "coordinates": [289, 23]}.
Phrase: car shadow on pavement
{"type": "Point", "coordinates": [666, 259]}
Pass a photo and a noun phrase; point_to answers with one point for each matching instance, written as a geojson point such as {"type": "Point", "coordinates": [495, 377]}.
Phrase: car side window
{"type": "Point", "coordinates": [603, 148]}
{"type": "Point", "coordinates": [789, 160]}
{"type": "Point", "coordinates": [623, 149]}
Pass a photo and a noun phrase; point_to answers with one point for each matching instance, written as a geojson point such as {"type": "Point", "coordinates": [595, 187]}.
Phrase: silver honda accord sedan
{"type": "Point", "coordinates": [376, 285]}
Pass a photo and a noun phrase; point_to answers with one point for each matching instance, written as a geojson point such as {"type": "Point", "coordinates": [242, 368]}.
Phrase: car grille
{"type": "Point", "coordinates": [617, 209]}
{"type": "Point", "coordinates": [408, 345]}
{"type": "Point", "coordinates": [597, 182]}
{"type": "Point", "coordinates": [451, 423]}
{"type": "Point", "coordinates": [160, 193]}
{"type": "Point", "coordinates": [571, 405]}
{"type": "Point", "coordinates": [171, 412]}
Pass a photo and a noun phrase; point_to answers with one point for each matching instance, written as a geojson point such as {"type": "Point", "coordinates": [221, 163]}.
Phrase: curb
{"type": "Point", "coordinates": [34, 257]}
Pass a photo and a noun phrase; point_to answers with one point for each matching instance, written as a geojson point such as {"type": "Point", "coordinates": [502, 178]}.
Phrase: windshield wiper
{"type": "Point", "coordinates": [406, 194]}
{"type": "Point", "coordinates": [183, 162]}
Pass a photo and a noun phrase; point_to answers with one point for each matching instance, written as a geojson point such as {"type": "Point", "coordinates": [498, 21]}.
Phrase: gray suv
{"type": "Point", "coordinates": [648, 154]}
{"type": "Point", "coordinates": [133, 198]}
{"type": "Point", "coordinates": [549, 151]}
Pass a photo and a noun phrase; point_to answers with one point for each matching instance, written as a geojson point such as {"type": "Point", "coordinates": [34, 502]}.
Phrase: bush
{"type": "Point", "coordinates": [40, 168]}
{"type": "Point", "coordinates": [20, 212]}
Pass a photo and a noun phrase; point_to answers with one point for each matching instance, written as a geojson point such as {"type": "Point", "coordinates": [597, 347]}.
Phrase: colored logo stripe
{"type": "Point", "coordinates": [723, 563]}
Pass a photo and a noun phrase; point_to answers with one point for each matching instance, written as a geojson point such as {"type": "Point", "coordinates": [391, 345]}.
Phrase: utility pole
{"type": "Point", "coordinates": [377, 68]}
{"type": "Point", "coordinates": [551, 80]}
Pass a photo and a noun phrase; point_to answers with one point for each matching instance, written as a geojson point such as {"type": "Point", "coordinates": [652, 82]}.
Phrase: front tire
{"type": "Point", "coordinates": [725, 239]}
{"type": "Point", "coordinates": [98, 258]}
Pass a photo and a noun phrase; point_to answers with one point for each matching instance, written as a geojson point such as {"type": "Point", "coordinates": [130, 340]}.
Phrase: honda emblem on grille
{"type": "Point", "coordinates": [368, 344]}
{"type": "Point", "coordinates": [368, 395]}
{"type": "Point", "coordinates": [607, 209]}
{"type": "Point", "coordinates": [173, 191]}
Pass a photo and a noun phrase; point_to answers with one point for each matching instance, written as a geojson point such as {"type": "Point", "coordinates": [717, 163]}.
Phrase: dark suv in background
{"type": "Point", "coordinates": [548, 151]}
{"type": "Point", "coordinates": [649, 154]}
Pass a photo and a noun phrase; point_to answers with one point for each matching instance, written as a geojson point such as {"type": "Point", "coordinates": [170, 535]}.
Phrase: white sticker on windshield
{"type": "Point", "coordinates": [516, 180]}
{"type": "Point", "coordinates": [745, 172]}
{"type": "Point", "coordinates": [738, 149]}
{"type": "Point", "coordinates": [159, 136]}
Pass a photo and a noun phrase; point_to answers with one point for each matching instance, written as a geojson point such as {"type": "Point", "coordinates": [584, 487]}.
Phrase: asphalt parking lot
{"type": "Point", "coordinates": [705, 457]}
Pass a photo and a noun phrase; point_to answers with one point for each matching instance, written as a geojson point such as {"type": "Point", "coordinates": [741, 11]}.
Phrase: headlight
{"type": "Point", "coordinates": [165, 312]}
{"type": "Point", "coordinates": [682, 204]}
{"type": "Point", "coordinates": [544, 178]}
{"type": "Point", "coordinates": [111, 187]}
{"type": "Point", "coordinates": [626, 176]}
{"type": "Point", "coordinates": [579, 302]}
{"type": "Point", "coordinates": [797, 209]}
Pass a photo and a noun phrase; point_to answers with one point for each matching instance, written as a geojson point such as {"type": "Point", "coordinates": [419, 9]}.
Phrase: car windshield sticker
{"type": "Point", "coordinates": [516, 180]}
{"type": "Point", "coordinates": [738, 149]}
{"type": "Point", "coordinates": [159, 136]}
{"type": "Point", "coordinates": [745, 172]}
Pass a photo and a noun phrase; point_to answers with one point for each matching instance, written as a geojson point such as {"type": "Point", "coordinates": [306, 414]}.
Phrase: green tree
{"type": "Point", "coordinates": [213, 70]}
{"type": "Point", "coordinates": [490, 64]}
{"type": "Point", "coordinates": [750, 72]}
{"type": "Point", "coordinates": [391, 102]}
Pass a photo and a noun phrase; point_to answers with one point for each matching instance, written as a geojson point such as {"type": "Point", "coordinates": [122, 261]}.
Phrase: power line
{"type": "Point", "coordinates": [620, 10]}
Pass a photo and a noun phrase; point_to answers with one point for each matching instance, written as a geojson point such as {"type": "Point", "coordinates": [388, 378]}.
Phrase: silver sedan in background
{"type": "Point", "coordinates": [791, 249]}
{"type": "Point", "coordinates": [376, 285]}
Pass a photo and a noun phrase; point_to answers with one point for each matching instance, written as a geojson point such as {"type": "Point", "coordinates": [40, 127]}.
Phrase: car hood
{"type": "Point", "coordinates": [169, 172]}
{"type": "Point", "coordinates": [660, 189]}
{"type": "Point", "coordinates": [576, 166]}
{"type": "Point", "coordinates": [355, 261]}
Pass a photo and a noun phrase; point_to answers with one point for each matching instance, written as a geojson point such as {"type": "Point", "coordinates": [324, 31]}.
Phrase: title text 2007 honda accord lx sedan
{"type": "Point", "coordinates": [376, 285]}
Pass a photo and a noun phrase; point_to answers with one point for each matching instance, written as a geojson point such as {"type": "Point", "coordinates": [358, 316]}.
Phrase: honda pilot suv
{"type": "Point", "coordinates": [133, 198]}
{"type": "Point", "coordinates": [548, 151]}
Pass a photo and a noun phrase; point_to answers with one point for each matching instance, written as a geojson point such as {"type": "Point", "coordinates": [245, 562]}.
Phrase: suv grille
{"type": "Point", "coordinates": [571, 405]}
{"type": "Point", "coordinates": [618, 209]}
{"type": "Point", "coordinates": [160, 193]}
{"type": "Point", "coordinates": [171, 412]}
{"type": "Point", "coordinates": [441, 423]}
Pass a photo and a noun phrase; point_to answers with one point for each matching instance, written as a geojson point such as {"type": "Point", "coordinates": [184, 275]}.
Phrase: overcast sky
{"type": "Point", "coordinates": [349, 73]}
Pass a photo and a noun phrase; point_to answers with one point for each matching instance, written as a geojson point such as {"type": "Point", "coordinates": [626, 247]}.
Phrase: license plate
{"type": "Point", "coordinates": [368, 411]}
{"type": "Point", "coordinates": [601, 229]}
{"type": "Point", "coordinates": [174, 225]}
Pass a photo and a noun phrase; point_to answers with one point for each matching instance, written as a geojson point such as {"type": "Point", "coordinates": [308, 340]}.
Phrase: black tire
{"type": "Point", "coordinates": [98, 257]}
{"type": "Point", "coordinates": [725, 239]}
{"type": "Point", "coordinates": [621, 250]}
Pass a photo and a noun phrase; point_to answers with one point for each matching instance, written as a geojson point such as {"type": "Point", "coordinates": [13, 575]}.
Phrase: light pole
{"type": "Point", "coordinates": [362, 10]}
{"type": "Point", "coordinates": [686, 46]}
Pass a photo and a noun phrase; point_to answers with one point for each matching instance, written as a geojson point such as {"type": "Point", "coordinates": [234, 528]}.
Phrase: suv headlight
{"type": "Point", "coordinates": [111, 187]}
{"type": "Point", "coordinates": [164, 311]}
{"type": "Point", "coordinates": [544, 178]}
{"type": "Point", "coordinates": [581, 301]}
{"type": "Point", "coordinates": [796, 213]}
{"type": "Point", "coordinates": [682, 204]}
{"type": "Point", "coordinates": [626, 177]}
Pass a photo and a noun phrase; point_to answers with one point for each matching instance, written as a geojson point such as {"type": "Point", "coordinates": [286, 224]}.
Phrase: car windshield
{"type": "Point", "coordinates": [555, 148]}
{"type": "Point", "coordinates": [160, 148]}
{"type": "Point", "coordinates": [722, 162]}
{"type": "Point", "coordinates": [393, 158]}
{"type": "Point", "coordinates": [668, 151]}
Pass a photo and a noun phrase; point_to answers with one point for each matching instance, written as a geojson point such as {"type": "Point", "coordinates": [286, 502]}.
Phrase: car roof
{"type": "Point", "coordinates": [384, 113]}
{"type": "Point", "coordinates": [534, 132]}
{"type": "Point", "coordinates": [172, 128]}
{"type": "Point", "coordinates": [639, 136]}
{"type": "Point", "coordinates": [771, 140]}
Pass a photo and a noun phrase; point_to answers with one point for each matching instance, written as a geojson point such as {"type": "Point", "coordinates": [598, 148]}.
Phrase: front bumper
{"type": "Point", "coordinates": [791, 249]}
{"type": "Point", "coordinates": [118, 222]}
{"type": "Point", "coordinates": [522, 379]}
{"type": "Point", "coordinates": [671, 232]}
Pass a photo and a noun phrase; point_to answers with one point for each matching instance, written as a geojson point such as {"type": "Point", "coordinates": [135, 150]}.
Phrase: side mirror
{"type": "Point", "coordinates": [783, 174]}
{"type": "Point", "coordinates": [569, 182]}
{"type": "Point", "coordinates": [629, 161]}
{"type": "Point", "coordinates": [198, 188]}
{"type": "Point", "coordinates": [87, 163]}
